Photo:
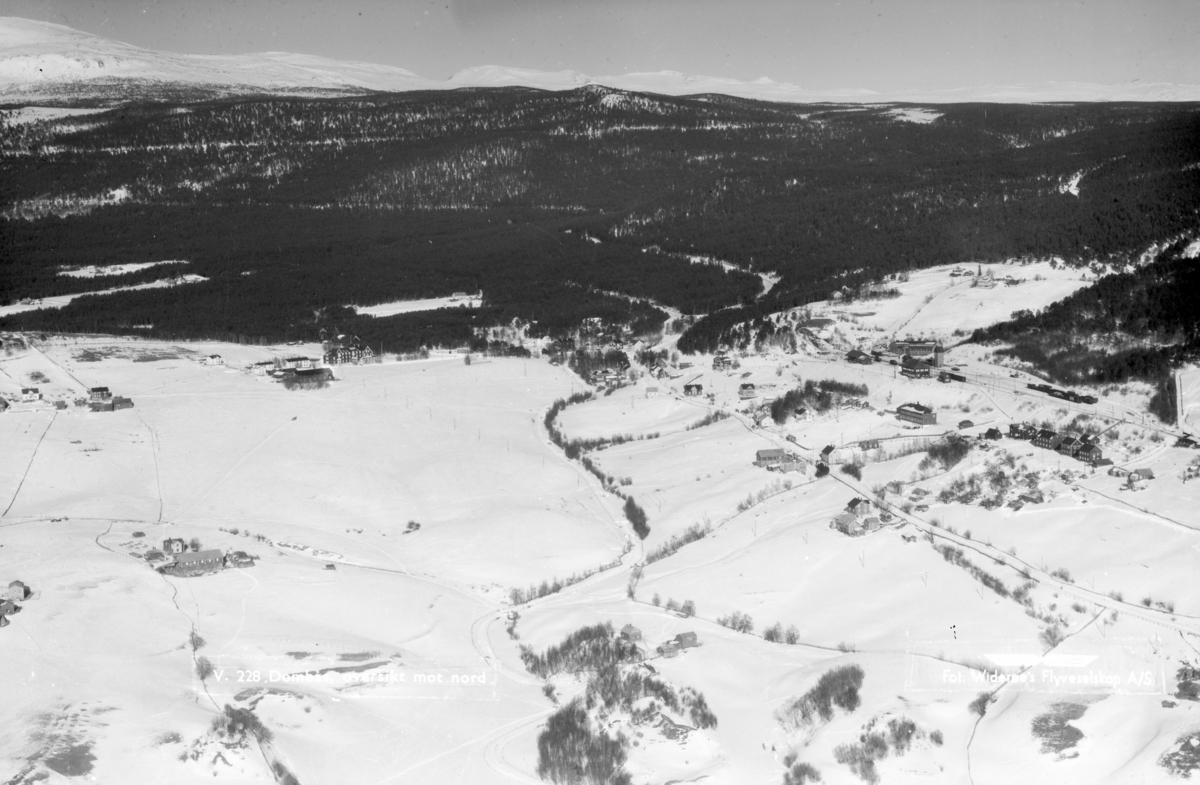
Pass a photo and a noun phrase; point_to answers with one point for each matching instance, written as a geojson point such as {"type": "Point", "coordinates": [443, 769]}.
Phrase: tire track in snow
{"type": "Point", "coordinates": [21, 484]}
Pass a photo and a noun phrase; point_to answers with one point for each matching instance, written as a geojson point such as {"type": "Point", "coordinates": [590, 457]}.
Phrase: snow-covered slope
{"type": "Point", "coordinates": [43, 62]}
{"type": "Point", "coordinates": [40, 60]}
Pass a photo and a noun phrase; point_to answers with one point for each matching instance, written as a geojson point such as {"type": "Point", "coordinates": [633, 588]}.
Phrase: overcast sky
{"type": "Point", "coordinates": [818, 44]}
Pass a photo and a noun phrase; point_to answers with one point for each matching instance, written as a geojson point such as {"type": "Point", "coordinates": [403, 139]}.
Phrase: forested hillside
{"type": "Point", "coordinates": [559, 206]}
{"type": "Point", "coordinates": [1133, 325]}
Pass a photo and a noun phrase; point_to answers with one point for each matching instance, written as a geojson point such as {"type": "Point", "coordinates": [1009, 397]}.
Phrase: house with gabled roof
{"type": "Point", "coordinates": [916, 413]}
{"type": "Point", "coordinates": [772, 456]}
{"type": "Point", "coordinates": [1091, 454]}
{"type": "Point", "coordinates": [17, 591]}
{"type": "Point", "coordinates": [1070, 445]}
{"type": "Point", "coordinates": [858, 507]}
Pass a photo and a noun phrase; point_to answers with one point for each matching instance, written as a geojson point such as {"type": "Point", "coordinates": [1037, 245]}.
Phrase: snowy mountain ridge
{"type": "Point", "coordinates": [42, 62]}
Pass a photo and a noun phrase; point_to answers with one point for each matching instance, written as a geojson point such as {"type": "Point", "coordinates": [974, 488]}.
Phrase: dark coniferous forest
{"type": "Point", "coordinates": [558, 206]}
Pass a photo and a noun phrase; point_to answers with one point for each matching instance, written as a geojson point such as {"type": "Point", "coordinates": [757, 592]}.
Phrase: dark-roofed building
{"type": "Point", "coordinates": [1070, 445]}
{"type": "Point", "coordinates": [631, 633]}
{"type": "Point", "coordinates": [99, 394]}
{"type": "Point", "coordinates": [1023, 431]}
{"type": "Point", "coordinates": [197, 563]}
{"type": "Point", "coordinates": [915, 369]}
{"type": "Point", "coordinates": [1047, 439]}
{"type": "Point", "coordinates": [993, 434]}
{"type": "Point", "coordinates": [693, 389]}
{"type": "Point", "coordinates": [119, 403]}
{"type": "Point", "coordinates": [173, 546]}
{"type": "Point", "coordinates": [916, 413]}
{"type": "Point", "coordinates": [858, 507]}
{"type": "Point", "coordinates": [1091, 454]}
{"type": "Point", "coordinates": [687, 640]}
{"type": "Point", "coordinates": [964, 424]}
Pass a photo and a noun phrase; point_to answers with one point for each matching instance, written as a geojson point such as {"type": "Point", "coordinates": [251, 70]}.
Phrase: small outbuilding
{"type": "Point", "coordinates": [239, 559]}
{"type": "Point", "coordinates": [668, 649]}
{"type": "Point", "coordinates": [993, 434]}
{"type": "Point", "coordinates": [1142, 474]}
{"type": "Point", "coordinates": [687, 640]}
{"type": "Point", "coordinates": [16, 591]}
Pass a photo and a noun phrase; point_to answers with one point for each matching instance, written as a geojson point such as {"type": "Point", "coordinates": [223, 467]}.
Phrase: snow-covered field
{"type": "Point", "coordinates": [62, 301]}
{"type": "Point", "coordinates": [93, 271]}
{"type": "Point", "coordinates": [393, 512]}
{"type": "Point", "coordinates": [411, 306]}
{"type": "Point", "coordinates": [933, 304]}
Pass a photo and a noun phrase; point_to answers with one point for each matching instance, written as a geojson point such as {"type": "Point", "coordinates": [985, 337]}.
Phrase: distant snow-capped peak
{"type": "Point", "coordinates": [41, 62]}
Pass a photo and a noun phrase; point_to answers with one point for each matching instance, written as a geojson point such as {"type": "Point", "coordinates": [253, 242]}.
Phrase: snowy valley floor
{"type": "Point", "coordinates": [393, 513]}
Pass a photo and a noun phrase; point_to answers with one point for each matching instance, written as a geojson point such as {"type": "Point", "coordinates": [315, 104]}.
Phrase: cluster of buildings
{"type": "Point", "coordinates": [778, 459]}
{"type": "Point", "coordinates": [296, 367]}
{"type": "Point", "coordinates": [857, 519]}
{"type": "Point", "coordinates": [606, 377]}
{"type": "Point", "coordinates": [1084, 448]}
{"type": "Point", "coordinates": [101, 399]}
{"type": "Point", "coordinates": [932, 352]}
{"type": "Point", "coordinates": [347, 351]}
{"type": "Point", "coordinates": [670, 648]}
{"type": "Point", "coordinates": [184, 563]}
{"type": "Point", "coordinates": [16, 592]}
